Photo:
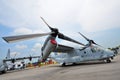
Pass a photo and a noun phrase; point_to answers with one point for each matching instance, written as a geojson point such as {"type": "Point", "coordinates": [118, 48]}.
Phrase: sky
{"type": "Point", "coordinates": [97, 19]}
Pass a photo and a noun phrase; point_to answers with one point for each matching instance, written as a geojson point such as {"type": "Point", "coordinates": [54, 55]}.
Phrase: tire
{"type": "Point", "coordinates": [74, 63]}
{"type": "Point", "coordinates": [108, 61]}
{"type": "Point", "coordinates": [63, 64]}
{"type": "Point", "coordinates": [5, 70]}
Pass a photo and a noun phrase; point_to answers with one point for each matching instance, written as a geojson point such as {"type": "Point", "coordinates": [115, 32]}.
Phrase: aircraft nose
{"type": "Point", "coordinates": [112, 53]}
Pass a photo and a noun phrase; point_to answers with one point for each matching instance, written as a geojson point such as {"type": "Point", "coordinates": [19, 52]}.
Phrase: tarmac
{"type": "Point", "coordinates": [82, 71]}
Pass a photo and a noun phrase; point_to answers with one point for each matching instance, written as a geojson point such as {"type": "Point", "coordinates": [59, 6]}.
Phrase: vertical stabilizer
{"type": "Point", "coordinates": [8, 54]}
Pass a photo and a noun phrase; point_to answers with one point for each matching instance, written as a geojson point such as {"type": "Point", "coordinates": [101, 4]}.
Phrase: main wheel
{"type": "Point", "coordinates": [5, 70]}
{"type": "Point", "coordinates": [63, 64]}
{"type": "Point", "coordinates": [74, 63]}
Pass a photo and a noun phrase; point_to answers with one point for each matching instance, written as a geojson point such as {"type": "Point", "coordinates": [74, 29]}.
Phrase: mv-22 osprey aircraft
{"type": "Point", "coordinates": [91, 51]}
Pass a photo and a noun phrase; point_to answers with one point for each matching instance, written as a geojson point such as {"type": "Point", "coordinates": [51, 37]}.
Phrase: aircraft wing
{"type": "Point", "coordinates": [27, 57]}
{"type": "Point", "coordinates": [62, 48]}
{"type": "Point", "coordinates": [22, 58]}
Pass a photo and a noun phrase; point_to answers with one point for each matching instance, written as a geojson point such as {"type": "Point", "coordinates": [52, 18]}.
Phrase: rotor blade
{"type": "Point", "coordinates": [90, 41]}
{"type": "Point", "coordinates": [84, 36]}
{"type": "Point", "coordinates": [96, 43]}
{"type": "Point", "coordinates": [10, 39]}
{"type": "Point", "coordinates": [62, 36]}
{"type": "Point", "coordinates": [46, 23]}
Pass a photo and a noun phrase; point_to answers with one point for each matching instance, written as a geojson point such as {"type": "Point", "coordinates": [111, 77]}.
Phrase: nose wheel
{"type": "Point", "coordinates": [108, 61]}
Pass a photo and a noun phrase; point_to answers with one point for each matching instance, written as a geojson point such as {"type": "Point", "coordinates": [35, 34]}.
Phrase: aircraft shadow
{"type": "Point", "coordinates": [88, 63]}
{"type": "Point", "coordinates": [12, 71]}
{"type": "Point", "coordinates": [84, 63]}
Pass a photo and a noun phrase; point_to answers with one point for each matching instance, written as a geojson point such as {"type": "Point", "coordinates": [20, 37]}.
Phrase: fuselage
{"type": "Point", "coordinates": [88, 54]}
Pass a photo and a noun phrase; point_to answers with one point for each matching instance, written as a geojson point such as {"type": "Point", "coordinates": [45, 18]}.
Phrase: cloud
{"type": "Point", "coordinates": [13, 54]}
{"type": "Point", "coordinates": [75, 15]}
{"type": "Point", "coordinates": [21, 47]}
{"type": "Point", "coordinates": [100, 15]}
{"type": "Point", "coordinates": [22, 30]}
{"type": "Point", "coordinates": [25, 30]}
{"type": "Point", "coordinates": [37, 47]}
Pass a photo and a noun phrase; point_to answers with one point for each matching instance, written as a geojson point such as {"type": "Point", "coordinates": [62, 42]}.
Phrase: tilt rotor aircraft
{"type": "Point", "coordinates": [89, 52]}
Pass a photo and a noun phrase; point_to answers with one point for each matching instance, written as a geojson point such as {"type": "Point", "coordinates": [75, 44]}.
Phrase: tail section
{"type": "Point", "coordinates": [8, 54]}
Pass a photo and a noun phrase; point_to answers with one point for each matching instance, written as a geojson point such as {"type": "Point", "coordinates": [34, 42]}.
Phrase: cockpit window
{"type": "Point", "coordinates": [94, 49]}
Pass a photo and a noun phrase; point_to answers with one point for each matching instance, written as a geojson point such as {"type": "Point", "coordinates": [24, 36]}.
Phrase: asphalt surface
{"type": "Point", "coordinates": [83, 71]}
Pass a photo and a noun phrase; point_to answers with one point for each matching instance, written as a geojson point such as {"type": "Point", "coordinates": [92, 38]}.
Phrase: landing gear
{"type": "Point", "coordinates": [112, 58]}
{"type": "Point", "coordinates": [5, 70]}
{"type": "Point", "coordinates": [108, 61]}
{"type": "Point", "coordinates": [63, 64]}
{"type": "Point", "coordinates": [74, 63]}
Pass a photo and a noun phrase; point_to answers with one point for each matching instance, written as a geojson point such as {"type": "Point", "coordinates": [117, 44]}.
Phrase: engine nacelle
{"type": "Point", "coordinates": [50, 46]}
